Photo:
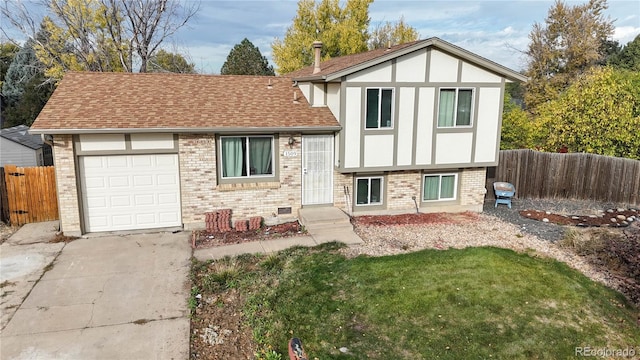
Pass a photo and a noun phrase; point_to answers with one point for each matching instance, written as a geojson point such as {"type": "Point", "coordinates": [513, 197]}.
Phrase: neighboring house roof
{"type": "Point", "coordinates": [19, 134]}
{"type": "Point", "coordinates": [90, 102]}
{"type": "Point", "coordinates": [335, 68]}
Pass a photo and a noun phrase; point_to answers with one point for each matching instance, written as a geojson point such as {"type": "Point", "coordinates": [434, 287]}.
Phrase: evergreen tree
{"type": "Point", "coordinates": [629, 57]}
{"type": "Point", "coordinates": [25, 89]}
{"type": "Point", "coordinates": [246, 59]}
{"type": "Point", "coordinates": [7, 52]}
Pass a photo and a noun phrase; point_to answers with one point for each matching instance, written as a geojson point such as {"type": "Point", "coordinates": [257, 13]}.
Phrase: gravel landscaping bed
{"type": "Point", "coordinates": [546, 231]}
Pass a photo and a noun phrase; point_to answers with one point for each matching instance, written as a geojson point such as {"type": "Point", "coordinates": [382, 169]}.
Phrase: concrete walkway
{"type": "Point", "coordinates": [113, 297]}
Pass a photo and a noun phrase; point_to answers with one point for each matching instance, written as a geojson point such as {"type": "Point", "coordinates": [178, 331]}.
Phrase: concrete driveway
{"type": "Point", "coordinates": [112, 297]}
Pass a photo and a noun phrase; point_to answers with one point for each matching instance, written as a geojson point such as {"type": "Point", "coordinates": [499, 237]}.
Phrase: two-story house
{"type": "Point", "coordinates": [384, 131]}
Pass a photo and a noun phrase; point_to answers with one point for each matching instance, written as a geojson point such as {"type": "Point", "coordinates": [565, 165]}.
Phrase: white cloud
{"type": "Point", "coordinates": [625, 34]}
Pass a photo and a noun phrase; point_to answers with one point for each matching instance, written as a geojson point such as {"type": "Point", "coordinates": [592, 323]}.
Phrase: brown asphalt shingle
{"type": "Point", "coordinates": [93, 100]}
{"type": "Point", "coordinates": [337, 64]}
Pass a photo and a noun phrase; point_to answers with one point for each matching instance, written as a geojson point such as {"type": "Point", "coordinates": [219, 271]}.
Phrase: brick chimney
{"type": "Point", "coordinates": [317, 46]}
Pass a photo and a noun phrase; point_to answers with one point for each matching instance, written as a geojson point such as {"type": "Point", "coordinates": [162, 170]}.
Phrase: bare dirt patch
{"type": "Point", "coordinates": [205, 239]}
{"type": "Point", "coordinates": [218, 330]}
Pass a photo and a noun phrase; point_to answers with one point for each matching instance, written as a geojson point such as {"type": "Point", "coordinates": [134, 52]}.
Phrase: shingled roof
{"type": "Point", "coordinates": [334, 68]}
{"type": "Point", "coordinates": [111, 102]}
{"type": "Point", "coordinates": [19, 134]}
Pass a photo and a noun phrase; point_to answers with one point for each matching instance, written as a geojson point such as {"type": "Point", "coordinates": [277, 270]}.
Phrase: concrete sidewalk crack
{"type": "Point", "coordinates": [93, 303]}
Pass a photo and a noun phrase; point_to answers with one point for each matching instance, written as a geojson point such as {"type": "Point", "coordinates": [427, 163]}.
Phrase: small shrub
{"type": "Point", "coordinates": [272, 263]}
{"type": "Point", "coordinates": [223, 275]}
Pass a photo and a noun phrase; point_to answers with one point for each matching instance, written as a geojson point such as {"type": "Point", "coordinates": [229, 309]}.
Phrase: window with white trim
{"type": "Point", "coordinates": [436, 187]}
{"type": "Point", "coordinates": [455, 107]}
{"type": "Point", "coordinates": [369, 191]}
{"type": "Point", "coordinates": [246, 156]}
{"type": "Point", "coordinates": [379, 111]}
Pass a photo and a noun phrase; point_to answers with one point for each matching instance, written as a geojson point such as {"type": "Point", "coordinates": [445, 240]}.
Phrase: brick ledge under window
{"type": "Point", "coordinates": [248, 186]}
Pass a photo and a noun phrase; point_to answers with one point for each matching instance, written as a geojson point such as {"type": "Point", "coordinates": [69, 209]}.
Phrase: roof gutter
{"type": "Point", "coordinates": [238, 130]}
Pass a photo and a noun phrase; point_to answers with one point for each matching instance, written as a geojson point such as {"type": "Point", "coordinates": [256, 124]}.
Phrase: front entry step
{"type": "Point", "coordinates": [326, 224]}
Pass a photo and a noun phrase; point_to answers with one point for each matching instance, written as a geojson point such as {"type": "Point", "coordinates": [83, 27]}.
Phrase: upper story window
{"type": "Point", "coordinates": [379, 108]}
{"type": "Point", "coordinates": [455, 107]}
{"type": "Point", "coordinates": [246, 156]}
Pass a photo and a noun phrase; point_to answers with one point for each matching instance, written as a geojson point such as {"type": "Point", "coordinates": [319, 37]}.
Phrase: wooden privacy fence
{"type": "Point", "coordinates": [28, 194]}
{"type": "Point", "coordinates": [570, 176]}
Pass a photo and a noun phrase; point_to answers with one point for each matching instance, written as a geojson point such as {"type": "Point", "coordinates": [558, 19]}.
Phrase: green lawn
{"type": "Point", "coordinates": [476, 303]}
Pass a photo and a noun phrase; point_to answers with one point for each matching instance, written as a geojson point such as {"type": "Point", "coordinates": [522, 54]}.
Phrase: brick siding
{"type": "Point", "coordinates": [202, 194]}
{"type": "Point", "coordinates": [68, 206]}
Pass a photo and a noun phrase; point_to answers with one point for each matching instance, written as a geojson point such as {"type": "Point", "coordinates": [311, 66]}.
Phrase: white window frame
{"type": "Point", "coordinates": [369, 178]}
{"type": "Point", "coordinates": [248, 170]}
{"type": "Point", "coordinates": [455, 186]}
{"type": "Point", "coordinates": [455, 108]}
{"type": "Point", "coordinates": [366, 107]}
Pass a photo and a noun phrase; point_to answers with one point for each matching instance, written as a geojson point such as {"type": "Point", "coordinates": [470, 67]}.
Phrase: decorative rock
{"type": "Point", "coordinates": [621, 209]}
{"type": "Point", "coordinates": [614, 220]}
{"type": "Point", "coordinates": [621, 217]}
{"type": "Point", "coordinates": [592, 216]}
{"type": "Point", "coordinates": [625, 223]}
{"type": "Point", "coordinates": [548, 212]}
{"type": "Point", "coordinates": [545, 220]}
{"type": "Point", "coordinates": [610, 211]}
{"type": "Point", "coordinates": [630, 219]}
{"type": "Point", "coordinates": [575, 217]}
{"type": "Point", "coordinates": [582, 225]}
{"type": "Point", "coordinates": [344, 350]}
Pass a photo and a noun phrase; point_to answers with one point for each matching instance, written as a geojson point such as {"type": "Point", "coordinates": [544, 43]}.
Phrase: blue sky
{"type": "Point", "coordinates": [497, 30]}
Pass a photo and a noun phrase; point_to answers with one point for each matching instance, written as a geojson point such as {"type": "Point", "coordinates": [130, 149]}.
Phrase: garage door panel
{"type": "Point", "coordinates": [119, 182]}
{"type": "Point", "coordinates": [168, 217]}
{"type": "Point", "coordinates": [122, 220]}
{"type": "Point", "coordinates": [144, 200]}
{"type": "Point", "coordinates": [166, 179]}
{"type": "Point", "coordinates": [167, 199]}
{"type": "Point", "coordinates": [116, 162]}
{"type": "Point", "coordinates": [96, 202]}
{"type": "Point", "coordinates": [144, 161]}
{"type": "Point", "coordinates": [143, 180]}
{"type": "Point", "coordinates": [146, 219]}
{"type": "Point", "coordinates": [127, 192]}
{"type": "Point", "coordinates": [95, 182]}
{"type": "Point", "coordinates": [120, 201]}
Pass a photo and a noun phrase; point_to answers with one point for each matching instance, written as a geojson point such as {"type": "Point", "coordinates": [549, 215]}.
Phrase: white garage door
{"type": "Point", "coordinates": [127, 192]}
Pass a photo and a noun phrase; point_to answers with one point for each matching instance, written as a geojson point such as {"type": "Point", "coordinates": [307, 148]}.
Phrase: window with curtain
{"type": "Point", "coordinates": [379, 109]}
{"type": "Point", "coordinates": [369, 191]}
{"type": "Point", "coordinates": [454, 107]}
{"type": "Point", "coordinates": [439, 187]}
{"type": "Point", "coordinates": [246, 156]}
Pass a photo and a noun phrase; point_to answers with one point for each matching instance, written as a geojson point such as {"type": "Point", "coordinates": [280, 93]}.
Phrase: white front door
{"type": "Point", "coordinates": [127, 192]}
{"type": "Point", "coordinates": [317, 169]}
